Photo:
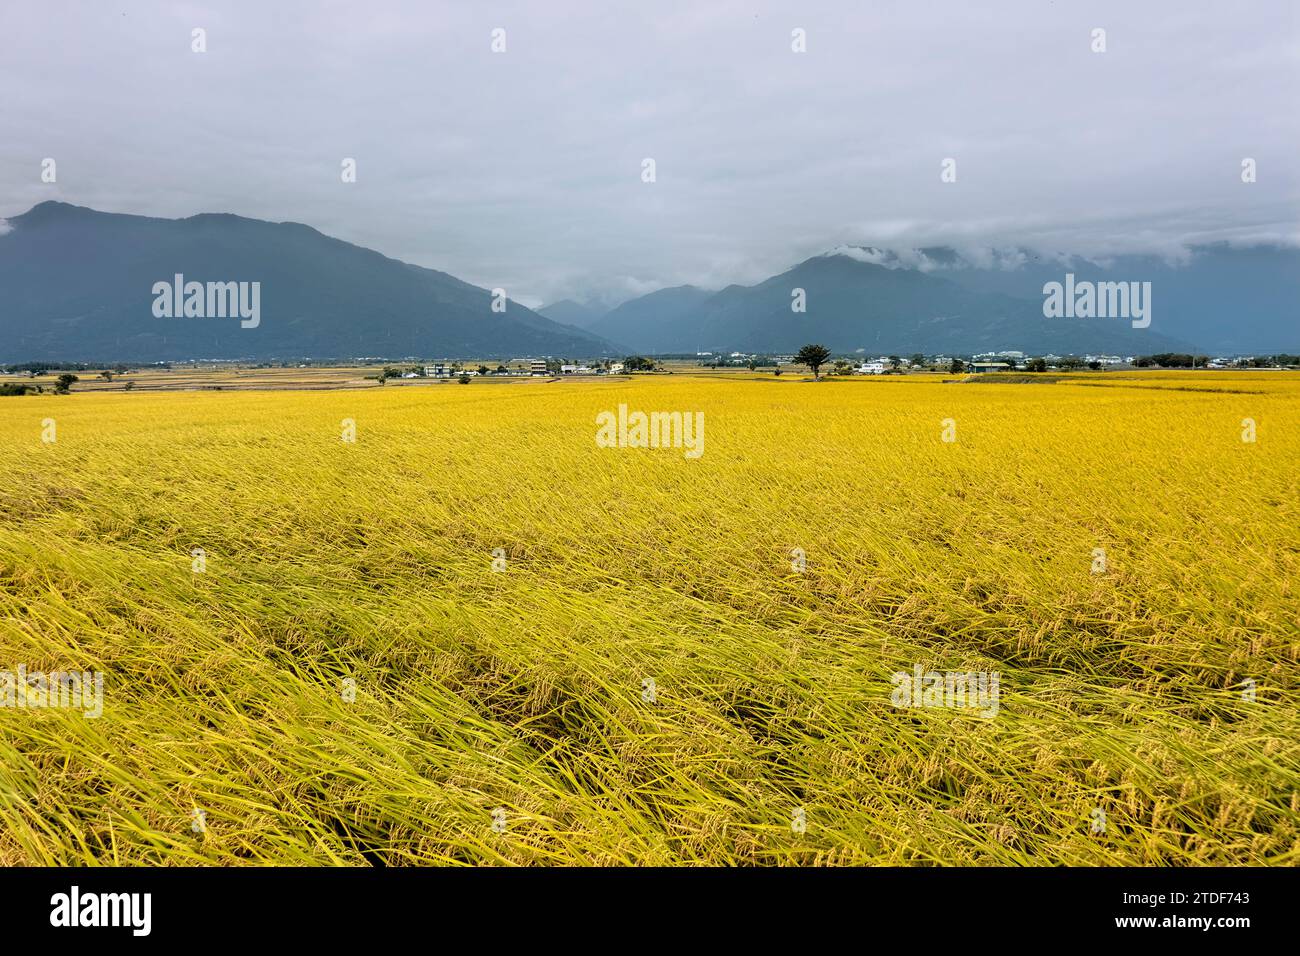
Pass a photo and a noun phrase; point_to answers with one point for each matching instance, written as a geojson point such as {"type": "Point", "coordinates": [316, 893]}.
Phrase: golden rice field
{"type": "Point", "coordinates": [504, 716]}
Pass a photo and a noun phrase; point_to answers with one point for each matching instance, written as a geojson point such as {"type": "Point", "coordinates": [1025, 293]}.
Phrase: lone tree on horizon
{"type": "Point", "coordinates": [814, 356]}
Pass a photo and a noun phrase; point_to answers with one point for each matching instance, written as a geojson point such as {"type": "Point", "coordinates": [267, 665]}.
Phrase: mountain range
{"type": "Point", "coordinates": [1221, 298]}
{"type": "Point", "coordinates": [78, 284]}
{"type": "Point", "coordinates": [1224, 298]}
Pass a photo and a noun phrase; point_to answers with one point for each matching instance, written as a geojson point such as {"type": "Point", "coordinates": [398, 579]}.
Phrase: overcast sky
{"type": "Point", "coordinates": [523, 169]}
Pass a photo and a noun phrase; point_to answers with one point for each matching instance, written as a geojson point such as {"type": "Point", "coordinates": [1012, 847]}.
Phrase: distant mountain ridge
{"type": "Point", "coordinates": [852, 305]}
{"type": "Point", "coordinates": [1221, 299]}
{"type": "Point", "coordinates": [1225, 298]}
{"type": "Point", "coordinates": [661, 321]}
{"type": "Point", "coordinates": [568, 312]}
{"type": "Point", "coordinates": [77, 284]}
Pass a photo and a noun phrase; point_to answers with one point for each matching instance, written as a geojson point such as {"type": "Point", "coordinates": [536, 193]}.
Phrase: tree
{"type": "Point", "coordinates": [895, 361]}
{"type": "Point", "coordinates": [1036, 365]}
{"type": "Point", "coordinates": [464, 379]}
{"type": "Point", "coordinates": [482, 369]}
{"type": "Point", "coordinates": [64, 383]}
{"type": "Point", "coordinates": [814, 356]}
{"type": "Point", "coordinates": [917, 359]}
{"type": "Point", "coordinates": [106, 375]}
{"type": "Point", "coordinates": [957, 367]}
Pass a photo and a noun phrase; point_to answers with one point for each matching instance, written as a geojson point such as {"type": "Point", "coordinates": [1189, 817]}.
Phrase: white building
{"type": "Point", "coordinates": [870, 368]}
